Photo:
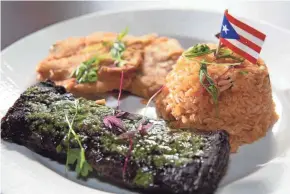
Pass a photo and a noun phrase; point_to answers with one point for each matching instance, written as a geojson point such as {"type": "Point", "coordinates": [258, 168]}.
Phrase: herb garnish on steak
{"type": "Point", "coordinates": [161, 160]}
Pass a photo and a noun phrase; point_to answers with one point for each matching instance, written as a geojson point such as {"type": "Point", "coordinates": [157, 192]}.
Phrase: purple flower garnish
{"type": "Point", "coordinates": [121, 114]}
{"type": "Point", "coordinates": [113, 123]}
{"type": "Point", "coordinates": [143, 129]}
{"type": "Point", "coordinates": [126, 115]}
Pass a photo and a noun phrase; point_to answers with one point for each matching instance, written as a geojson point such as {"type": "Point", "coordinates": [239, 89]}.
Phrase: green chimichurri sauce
{"type": "Point", "coordinates": [143, 179]}
{"type": "Point", "coordinates": [158, 148]}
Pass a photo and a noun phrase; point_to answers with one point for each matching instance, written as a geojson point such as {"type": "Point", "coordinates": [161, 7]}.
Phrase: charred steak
{"type": "Point", "coordinates": [126, 149]}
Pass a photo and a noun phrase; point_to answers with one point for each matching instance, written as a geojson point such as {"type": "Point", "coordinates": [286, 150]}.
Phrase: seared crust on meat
{"type": "Point", "coordinates": [184, 163]}
{"type": "Point", "coordinates": [67, 54]}
{"type": "Point", "coordinates": [149, 59]}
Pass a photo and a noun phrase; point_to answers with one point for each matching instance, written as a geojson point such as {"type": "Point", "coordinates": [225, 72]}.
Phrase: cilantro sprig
{"type": "Point", "coordinates": [75, 155]}
{"type": "Point", "coordinates": [118, 48]}
{"type": "Point", "coordinates": [207, 82]}
{"type": "Point", "coordinates": [87, 71]}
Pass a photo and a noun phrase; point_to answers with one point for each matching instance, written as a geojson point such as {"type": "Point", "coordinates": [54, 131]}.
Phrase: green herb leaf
{"type": "Point", "coordinates": [214, 92]}
{"type": "Point", "coordinates": [86, 169]}
{"type": "Point", "coordinates": [123, 34]}
{"type": "Point", "coordinates": [198, 50]}
{"type": "Point", "coordinates": [76, 154]}
{"type": "Point", "coordinates": [210, 86]}
{"type": "Point", "coordinates": [143, 178]}
{"type": "Point", "coordinates": [118, 48]}
{"type": "Point", "coordinates": [244, 72]}
{"type": "Point", "coordinates": [90, 61]}
{"type": "Point", "coordinates": [59, 148]}
{"type": "Point", "coordinates": [72, 156]}
{"type": "Point", "coordinates": [86, 72]}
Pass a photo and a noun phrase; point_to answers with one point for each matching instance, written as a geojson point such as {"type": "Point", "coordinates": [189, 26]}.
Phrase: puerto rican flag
{"type": "Point", "coordinates": [241, 38]}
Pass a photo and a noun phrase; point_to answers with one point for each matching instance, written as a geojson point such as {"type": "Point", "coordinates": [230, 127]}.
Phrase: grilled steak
{"type": "Point", "coordinates": [126, 149]}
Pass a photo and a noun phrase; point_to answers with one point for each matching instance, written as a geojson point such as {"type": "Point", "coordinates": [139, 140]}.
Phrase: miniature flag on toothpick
{"type": "Point", "coordinates": [241, 38]}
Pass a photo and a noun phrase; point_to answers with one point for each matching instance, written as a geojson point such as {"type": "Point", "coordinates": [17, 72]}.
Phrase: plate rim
{"type": "Point", "coordinates": [124, 10]}
{"type": "Point", "coordinates": [109, 12]}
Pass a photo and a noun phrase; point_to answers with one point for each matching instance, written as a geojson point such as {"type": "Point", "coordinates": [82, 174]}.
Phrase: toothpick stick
{"type": "Point", "coordinates": [218, 48]}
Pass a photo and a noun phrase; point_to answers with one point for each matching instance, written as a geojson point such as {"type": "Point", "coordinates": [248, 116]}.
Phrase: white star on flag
{"type": "Point", "coordinates": [225, 29]}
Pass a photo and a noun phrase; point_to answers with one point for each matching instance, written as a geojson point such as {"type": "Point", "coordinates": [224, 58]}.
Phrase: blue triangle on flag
{"type": "Point", "coordinates": [227, 30]}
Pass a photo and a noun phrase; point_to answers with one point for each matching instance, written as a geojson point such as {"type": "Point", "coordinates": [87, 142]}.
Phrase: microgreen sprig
{"type": "Point", "coordinates": [198, 50]}
{"type": "Point", "coordinates": [76, 155]}
{"type": "Point", "coordinates": [86, 72]}
{"type": "Point", "coordinates": [119, 47]}
{"type": "Point", "coordinates": [203, 49]}
{"type": "Point", "coordinates": [210, 86]}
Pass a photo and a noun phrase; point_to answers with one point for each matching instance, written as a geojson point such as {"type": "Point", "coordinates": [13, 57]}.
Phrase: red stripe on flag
{"type": "Point", "coordinates": [238, 51]}
{"type": "Point", "coordinates": [250, 44]}
{"type": "Point", "coordinates": [245, 27]}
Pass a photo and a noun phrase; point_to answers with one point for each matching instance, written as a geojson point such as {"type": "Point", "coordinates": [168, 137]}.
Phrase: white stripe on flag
{"type": "Point", "coordinates": [248, 36]}
{"type": "Point", "coordinates": [244, 48]}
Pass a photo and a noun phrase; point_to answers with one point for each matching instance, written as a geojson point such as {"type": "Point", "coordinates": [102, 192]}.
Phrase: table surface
{"type": "Point", "coordinates": [19, 19]}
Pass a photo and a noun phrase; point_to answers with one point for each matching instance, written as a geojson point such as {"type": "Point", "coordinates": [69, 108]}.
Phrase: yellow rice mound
{"type": "Point", "coordinates": [246, 110]}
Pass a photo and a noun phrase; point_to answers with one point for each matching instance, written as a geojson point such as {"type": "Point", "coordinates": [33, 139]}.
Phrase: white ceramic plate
{"type": "Point", "coordinates": [259, 168]}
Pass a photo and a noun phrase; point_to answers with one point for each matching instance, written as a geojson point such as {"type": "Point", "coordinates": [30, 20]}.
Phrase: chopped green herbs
{"type": "Point", "coordinates": [118, 48]}
{"type": "Point", "coordinates": [77, 154]}
{"type": "Point", "coordinates": [197, 50]}
{"type": "Point", "coordinates": [143, 179]}
{"type": "Point", "coordinates": [207, 82]}
{"type": "Point", "coordinates": [87, 71]}
{"type": "Point", "coordinates": [152, 147]}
